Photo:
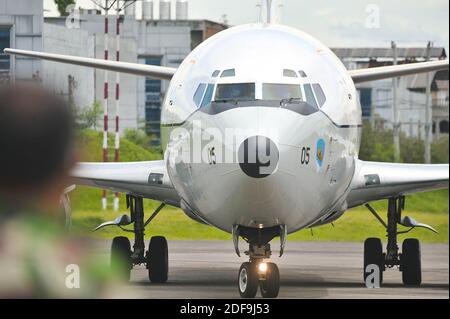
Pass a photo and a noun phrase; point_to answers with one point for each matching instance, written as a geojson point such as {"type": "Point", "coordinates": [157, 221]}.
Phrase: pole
{"type": "Point", "coordinates": [259, 17]}
{"type": "Point", "coordinates": [105, 104]}
{"type": "Point", "coordinates": [428, 115]}
{"type": "Point", "coordinates": [269, 11]}
{"type": "Point", "coordinates": [396, 124]}
{"type": "Point", "coordinates": [419, 129]}
{"type": "Point", "coordinates": [117, 137]}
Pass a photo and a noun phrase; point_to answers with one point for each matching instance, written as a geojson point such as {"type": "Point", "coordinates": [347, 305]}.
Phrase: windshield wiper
{"type": "Point", "coordinates": [226, 101]}
{"type": "Point", "coordinates": [292, 100]}
{"type": "Point", "coordinates": [234, 101]}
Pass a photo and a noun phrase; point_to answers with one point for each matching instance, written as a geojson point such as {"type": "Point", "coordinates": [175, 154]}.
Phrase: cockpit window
{"type": "Point", "coordinates": [228, 73]}
{"type": "Point", "coordinates": [285, 96]}
{"type": "Point", "coordinates": [289, 73]}
{"type": "Point", "coordinates": [199, 94]}
{"type": "Point", "coordinates": [302, 74]}
{"type": "Point", "coordinates": [321, 98]}
{"type": "Point", "coordinates": [310, 95]}
{"type": "Point", "coordinates": [208, 95]}
{"type": "Point", "coordinates": [275, 91]}
{"type": "Point", "coordinates": [215, 73]}
{"type": "Point", "coordinates": [235, 92]}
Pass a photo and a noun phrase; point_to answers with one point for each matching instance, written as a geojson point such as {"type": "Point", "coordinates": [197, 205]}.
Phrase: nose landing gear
{"type": "Point", "coordinates": [257, 273]}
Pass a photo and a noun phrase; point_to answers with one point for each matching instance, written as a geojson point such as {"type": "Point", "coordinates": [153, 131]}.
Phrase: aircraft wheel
{"type": "Point", "coordinates": [373, 254]}
{"type": "Point", "coordinates": [121, 257]}
{"type": "Point", "coordinates": [158, 259]}
{"type": "Point", "coordinates": [248, 280]}
{"type": "Point", "coordinates": [271, 285]}
{"type": "Point", "coordinates": [410, 262]}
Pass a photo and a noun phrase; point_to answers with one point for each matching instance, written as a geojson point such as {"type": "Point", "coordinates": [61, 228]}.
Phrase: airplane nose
{"type": "Point", "coordinates": [258, 156]}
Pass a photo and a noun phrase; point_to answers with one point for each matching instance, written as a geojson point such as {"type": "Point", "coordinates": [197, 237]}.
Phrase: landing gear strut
{"type": "Point", "coordinates": [256, 272]}
{"type": "Point", "coordinates": [123, 258]}
{"type": "Point", "coordinates": [409, 260]}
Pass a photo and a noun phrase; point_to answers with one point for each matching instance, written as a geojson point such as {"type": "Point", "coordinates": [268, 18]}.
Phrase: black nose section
{"type": "Point", "coordinates": [258, 156]}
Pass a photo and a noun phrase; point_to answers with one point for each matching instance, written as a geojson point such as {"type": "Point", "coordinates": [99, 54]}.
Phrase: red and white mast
{"type": "Point", "coordinates": [117, 136]}
{"type": "Point", "coordinates": [105, 104]}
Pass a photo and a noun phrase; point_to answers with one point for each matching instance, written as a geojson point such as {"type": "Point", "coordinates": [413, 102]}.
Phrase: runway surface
{"type": "Point", "coordinates": [208, 269]}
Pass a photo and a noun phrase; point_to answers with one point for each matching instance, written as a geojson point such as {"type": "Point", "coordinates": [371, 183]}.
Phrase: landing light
{"type": "Point", "coordinates": [262, 267]}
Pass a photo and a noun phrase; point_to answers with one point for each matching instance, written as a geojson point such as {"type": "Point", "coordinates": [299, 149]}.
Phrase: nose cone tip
{"type": "Point", "coordinates": [258, 156]}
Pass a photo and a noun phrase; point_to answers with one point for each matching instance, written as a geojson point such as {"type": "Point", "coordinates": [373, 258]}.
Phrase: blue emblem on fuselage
{"type": "Point", "coordinates": [320, 152]}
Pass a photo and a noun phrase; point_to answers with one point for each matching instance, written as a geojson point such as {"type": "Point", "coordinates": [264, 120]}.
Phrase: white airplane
{"type": "Point", "coordinates": [261, 129]}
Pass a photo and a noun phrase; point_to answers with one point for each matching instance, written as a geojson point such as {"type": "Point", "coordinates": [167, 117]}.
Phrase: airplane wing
{"type": "Point", "coordinates": [151, 71]}
{"type": "Point", "coordinates": [166, 73]}
{"type": "Point", "coordinates": [146, 179]}
{"type": "Point", "coordinates": [385, 72]}
{"type": "Point", "coordinates": [374, 181]}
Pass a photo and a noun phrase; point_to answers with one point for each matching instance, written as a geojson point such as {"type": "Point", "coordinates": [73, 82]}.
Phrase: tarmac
{"type": "Point", "coordinates": [209, 269]}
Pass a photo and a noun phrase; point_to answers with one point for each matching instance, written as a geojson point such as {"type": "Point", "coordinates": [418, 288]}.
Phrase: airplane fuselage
{"type": "Point", "coordinates": [261, 127]}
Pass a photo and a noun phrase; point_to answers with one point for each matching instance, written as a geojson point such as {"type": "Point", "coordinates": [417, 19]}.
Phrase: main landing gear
{"type": "Point", "coordinates": [123, 257]}
{"type": "Point", "coordinates": [409, 260]}
{"type": "Point", "coordinates": [256, 273]}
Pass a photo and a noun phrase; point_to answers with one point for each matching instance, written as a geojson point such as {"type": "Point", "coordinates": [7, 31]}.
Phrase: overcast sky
{"type": "Point", "coordinates": [336, 23]}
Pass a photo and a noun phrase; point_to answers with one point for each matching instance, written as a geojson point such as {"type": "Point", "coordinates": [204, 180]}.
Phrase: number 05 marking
{"type": "Point", "coordinates": [305, 157]}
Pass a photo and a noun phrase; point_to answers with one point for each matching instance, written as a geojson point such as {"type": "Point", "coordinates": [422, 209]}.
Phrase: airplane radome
{"type": "Point", "coordinates": [261, 128]}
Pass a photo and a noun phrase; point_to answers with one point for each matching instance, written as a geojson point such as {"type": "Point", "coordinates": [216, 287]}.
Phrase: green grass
{"type": "Point", "coordinates": [90, 144]}
{"type": "Point", "coordinates": [355, 225]}
{"type": "Point", "coordinates": [171, 223]}
{"type": "Point", "coordinates": [435, 202]}
{"type": "Point", "coordinates": [359, 224]}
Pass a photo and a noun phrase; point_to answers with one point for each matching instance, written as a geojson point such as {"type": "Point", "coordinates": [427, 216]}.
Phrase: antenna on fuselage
{"type": "Point", "coordinates": [267, 13]}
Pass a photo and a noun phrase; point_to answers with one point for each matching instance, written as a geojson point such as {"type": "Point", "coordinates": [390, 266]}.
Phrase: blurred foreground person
{"type": "Point", "coordinates": [37, 258]}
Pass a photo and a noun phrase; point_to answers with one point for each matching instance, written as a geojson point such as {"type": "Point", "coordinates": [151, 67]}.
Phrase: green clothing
{"type": "Point", "coordinates": [39, 260]}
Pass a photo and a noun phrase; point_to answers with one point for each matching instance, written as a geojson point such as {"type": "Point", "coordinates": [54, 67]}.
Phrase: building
{"type": "Point", "coordinates": [20, 27]}
{"type": "Point", "coordinates": [377, 97]}
{"type": "Point", "coordinates": [146, 41]}
{"type": "Point", "coordinates": [163, 41]}
{"type": "Point", "coordinates": [70, 81]}
{"type": "Point", "coordinates": [87, 37]}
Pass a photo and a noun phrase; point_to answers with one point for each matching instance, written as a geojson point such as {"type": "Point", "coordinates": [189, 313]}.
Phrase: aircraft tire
{"type": "Point", "coordinates": [158, 260]}
{"type": "Point", "coordinates": [373, 254]}
{"type": "Point", "coordinates": [410, 262]}
{"type": "Point", "coordinates": [248, 280]}
{"type": "Point", "coordinates": [121, 257]}
{"type": "Point", "coordinates": [271, 285]}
